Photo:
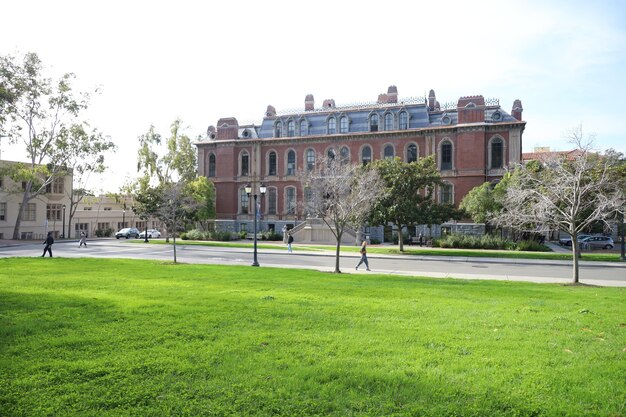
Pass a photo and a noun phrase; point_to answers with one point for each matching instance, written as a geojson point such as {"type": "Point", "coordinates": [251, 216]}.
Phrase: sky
{"type": "Point", "coordinates": [156, 61]}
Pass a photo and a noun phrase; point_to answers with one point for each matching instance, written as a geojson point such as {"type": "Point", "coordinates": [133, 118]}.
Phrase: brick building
{"type": "Point", "coordinates": [473, 141]}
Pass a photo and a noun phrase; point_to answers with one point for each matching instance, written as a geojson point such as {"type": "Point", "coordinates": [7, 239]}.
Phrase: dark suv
{"type": "Point", "coordinates": [127, 232]}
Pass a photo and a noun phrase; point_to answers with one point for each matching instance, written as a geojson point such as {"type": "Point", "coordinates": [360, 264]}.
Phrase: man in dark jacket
{"type": "Point", "coordinates": [48, 242]}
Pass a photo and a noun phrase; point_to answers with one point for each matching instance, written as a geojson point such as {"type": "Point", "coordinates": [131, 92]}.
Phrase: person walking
{"type": "Point", "coordinates": [48, 242]}
{"type": "Point", "coordinates": [83, 239]}
{"type": "Point", "coordinates": [285, 237]}
{"type": "Point", "coordinates": [363, 252]}
{"type": "Point", "coordinates": [421, 238]}
{"type": "Point", "coordinates": [289, 242]}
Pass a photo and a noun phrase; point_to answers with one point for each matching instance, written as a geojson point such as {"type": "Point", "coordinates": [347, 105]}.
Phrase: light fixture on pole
{"type": "Point", "coordinates": [262, 190]}
{"type": "Point", "coordinates": [63, 229]}
{"type": "Point", "coordinates": [123, 218]}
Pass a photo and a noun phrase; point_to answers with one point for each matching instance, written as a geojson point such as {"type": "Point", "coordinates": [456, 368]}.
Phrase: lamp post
{"type": "Point", "coordinates": [63, 228]}
{"type": "Point", "coordinates": [123, 218]}
{"type": "Point", "coordinates": [262, 190]}
{"type": "Point", "coordinates": [623, 229]}
{"type": "Point", "coordinates": [145, 240]}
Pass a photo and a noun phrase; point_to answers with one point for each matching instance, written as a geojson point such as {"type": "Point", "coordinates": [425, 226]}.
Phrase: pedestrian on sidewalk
{"type": "Point", "coordinates": [48, 242]}
{"type": "Point", "coordinates": [289, 242]}
{"type": "Point", "coordinates": [83, 239]}
{"type": "Point", "coordinates": [363, 252]}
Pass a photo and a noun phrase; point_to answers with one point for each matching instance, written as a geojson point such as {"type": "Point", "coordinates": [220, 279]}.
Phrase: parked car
{"type": "Point", "coordinates": [127, 232]}
{"type": "Point", "coordinates": [151, 233]}
{"type": "Point", "coordinates": [595, 242]}
{"type": "Point", "coordinates": [567, 241]}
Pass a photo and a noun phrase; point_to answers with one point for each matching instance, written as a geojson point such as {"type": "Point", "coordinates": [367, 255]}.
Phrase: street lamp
{"type": "Point", "coordinates": [123, 218]}
{"type": "Point", "coordinates": [63, 229]}
{"type": "Point", "coordinates": [262, 190]}
{"type": "Point", "coordinates": [145, 240]}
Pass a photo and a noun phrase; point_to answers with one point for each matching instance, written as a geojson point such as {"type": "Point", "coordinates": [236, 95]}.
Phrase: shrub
{"type": "Point", "coordinates": [184, 236]}
{"type": "Point", "coordinates": [487, 242]}
{"type": "Point", "coordinates": [243, 234]}
{"type": "Point", "coordinates": [221, 236]}
{"type": "Point", "coordinates": [531, 245]}
{"type": "Point", "coordinates": [196, 234]}
{"type": "Point", "coordinates": [272, 235]}
{"type": "Point", "coordinates": [104, 232]}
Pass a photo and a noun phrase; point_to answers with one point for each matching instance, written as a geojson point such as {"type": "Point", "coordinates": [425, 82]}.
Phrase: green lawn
{"type": "Point", "coordinates": [104, 337]}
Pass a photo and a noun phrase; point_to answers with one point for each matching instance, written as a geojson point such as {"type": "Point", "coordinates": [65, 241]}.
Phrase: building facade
{"type": "Point", "coordinates": [43, 214]}
{"type": "Point", "coordinates": [473, 141]}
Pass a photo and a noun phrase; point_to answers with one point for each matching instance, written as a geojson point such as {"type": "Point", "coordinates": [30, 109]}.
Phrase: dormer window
{"type": "Point", "coordinates": [291, 128]}
{"type": "Point", "coordinates": [332, 126]}
{"type": "Point", "coordinates": [404, 121]}
{"type": "Point", "coordinates": [374, 123]}
{"type": "Point", "coordinates": [343, 125]}
{"type": "Point", "coordinates": [304, 127]}
{"type": "Point", "coordinates": [278, 129]}
{"type": "Point", "coordinates": [388, 121]}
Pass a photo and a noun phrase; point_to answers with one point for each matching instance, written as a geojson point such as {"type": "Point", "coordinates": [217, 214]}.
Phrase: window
{"type": "Point", "coordinates": [343, 125]}
{"type": "Point", "coordinates": [53, 211]}
{"type": "Point", "coordinates": [3, 211]}
{"type": "Point", "coordinates": [331, 154]}
{"type": "Point", "coordinates": [55, 186]}
{"type": "Point", "coordinates": [30, 212]}
{"type": "Point", "coordinates": [366, 155]}
{"type": "Point", "coordinates": [212, 165]}
{"type": "Point", "coordinates": [332, 126]}
{"type": "Point", "coordinates": [271, 201]}
{"type": "Point", "coordinates": [278, 127]}
{"type": "Point", "coordinates": [243, 227]}
{"type": "Point", "coordinates": [104, 226]}
{"type": "Point", "coordinates": [243, 199]}
{"type": "Point", "coordinates": [344, 155]}
{"type": "Point", "coordinates": [291, 200]}
{"type": "Point", "coordinates": [291, 163]}
{"type": "Point", "coordinates": [411, 153]}
{"type": "Point", "coordinates": [374, 123]}
{"type": "Point", "coordinates": [404, 121]}
{"type": "Point", "coordinates": [310, 159]}
{"type": "Point", "coordinates": [388, 121]}
{"type": "Point", "coordinates": [87, 208]}
{"type": "Point", "coordinates": [107, 209]}
{"type": "Point", "coordinates": [446, 155]}
{"type": "Point", "coordinates": [497, 153]}
{"type": "Point", "coordinates": [446, 194]}
{"type": "Point", "coordinates": [304, 128]}
{"type": "Point", "coordinates": [244, 163]}
{"type": "Point", "coordinates": [291, 128]}
{"type": "Point", "coordinates": [388, 152]}
{"type": "Point", "coordinates": [272, 163]}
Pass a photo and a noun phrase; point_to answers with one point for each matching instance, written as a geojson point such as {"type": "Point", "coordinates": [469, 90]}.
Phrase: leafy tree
{"type": "Point", "coordinates": [409, 191]}
{"type": "Point", "coordinates": [341, 194]}
{"type": "Point", "coordinates": [432, 212]}
{"type": "Point", "coordinates": [202, 191]}
{"type": "Point", "coordinates": [566, 192]}
{"type": "Point", "coordinates": [41, 113]}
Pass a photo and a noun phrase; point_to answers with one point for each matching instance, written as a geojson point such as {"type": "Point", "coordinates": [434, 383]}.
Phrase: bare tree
{"type": "Point", "coordinates": [568, 192]}
{"type": "Point", "coordinates": [341, 194]}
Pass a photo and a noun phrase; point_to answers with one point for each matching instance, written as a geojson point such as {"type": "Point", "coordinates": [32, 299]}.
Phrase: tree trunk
{"type": "Point", "coordinates": [20, 211]}
{"type": "Point", "coordinates": [400, 238]}
{"type": "Point", "coordinates": [575, 253]}
{"type": "Point", "coordinates": [337, 251]}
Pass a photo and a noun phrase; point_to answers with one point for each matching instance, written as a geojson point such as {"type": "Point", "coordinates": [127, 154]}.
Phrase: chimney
{"type": "Point", "coordinates": [517, 109]}
{"type": "Point", "coordinates": [382, 98]}
{"type": "Point", "coordinates": [471, 109]}
{"type": "Point", "coordinates": [309, 103]}
{"type": "Point", "coordinates": [270, 112]}
{"type": "Point", "coordinates": [392, 94]}
{"type": "Point", "coordinates": [227, 128]}
{"type": "Point", "coordinates": [432, 100]}
{"type": "Point", "coordinates": [329, 103]}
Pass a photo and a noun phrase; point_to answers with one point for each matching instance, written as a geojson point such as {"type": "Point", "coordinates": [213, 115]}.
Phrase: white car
{"type": "Point", "coordinates": [152, 233]}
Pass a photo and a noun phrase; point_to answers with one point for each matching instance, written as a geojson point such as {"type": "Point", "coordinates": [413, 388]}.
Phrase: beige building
{"type": "Point", "coordinates": [99, 215]}
{"type": "Point", "coordinates": [42, 214]}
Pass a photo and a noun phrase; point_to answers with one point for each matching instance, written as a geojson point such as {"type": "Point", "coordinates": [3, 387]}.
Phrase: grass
{"type": "Point", "coordinates": [411, 250]}
{"type": "Point", "coordinates": [105, 337]}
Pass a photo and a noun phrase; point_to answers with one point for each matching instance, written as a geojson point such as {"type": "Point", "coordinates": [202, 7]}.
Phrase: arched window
{"type": "Point", "coordinates": [388, 152]}
{"type": "Point", "coordinates": [310, 159]}
{"type": "Point", "coordinates": [245, 164]}
{"type": "Point", "coordinates": [366, 155]}
{"type": "Point", "coordinates": [291, 162]}
{"type": "Point", "coordinates": [304, 127]}
{"type": "Point", "coordinates": [446, 193]}
{"type": "Point", "coordinates": [388, 121]}
{"type": "Point", "coordinates": [291, 128]}
{"type": "Point", "coordinates": [243, 199]}
{"type": "Point", "coordinates": [446, 155]}
{"type": "Point", "coordinates": [332, 126]}
{"type": "Point", "coordinates": [212, 165]}
{"type": "Point", "coordinates": [271, 169]}
{"type": "Point", "coordinates": [411, 153]}
{"type": "Point", "coordinates": [271, 200]}
{"type": "Point", "coordinates": [344, 155]}
{"type": "Point", "coordinates": [497, 153]}
{"type": "Point", "coordinates": [290, 200]}
{"type": "Point", "coordinates": [343, 125]}
{"type": "Point", "coordinates": [404, 121]}
{"type": "Point", "coordinates": [278, 128]}
{"type": "Point", "coordinates": [374, 123]}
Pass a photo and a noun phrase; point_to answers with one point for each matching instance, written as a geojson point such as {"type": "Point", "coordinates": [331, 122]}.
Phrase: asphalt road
{"type": "Point", "coordinates": [593, 273]}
